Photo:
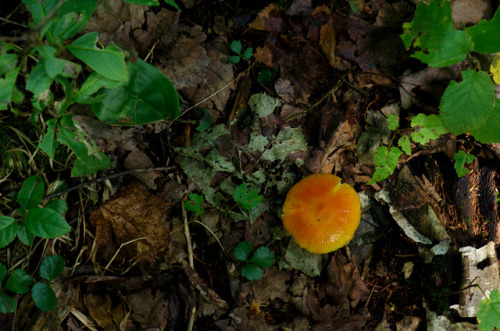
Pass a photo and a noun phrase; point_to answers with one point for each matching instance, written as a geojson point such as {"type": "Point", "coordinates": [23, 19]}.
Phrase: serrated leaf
{"type": "Point", "coordinates": [51, 267]}
{"type": "Point", "coordinates": [485, 35]}
{"type": "Point", "coordinates": [247, 199]}
{"type": "Point", "coordinates": [7, 304]}
{"type": "Point", "coordinates": [467, 105]}
{"type": "Point", "coordinates": [461, 158]}
{"type": "Point", "coordinates": [19, 282]}
{"type": "Point", "coordinates": [428, 127]}
{"type": "Point", "coordinates": [242, 251]}
{"type": "Point", "coordinates": [235, 59]}
{"type": "Point", "coordinates": [251, 272]}
{"type": "Point", "coordinates": [195, 204]}
{"type": "Point", "coordinates": [263, 257]}
{"type": "Point", "coordinates": [488, 314]}
{"type": "Point", "coordinates": [433, 33]}
{"type": "Point", "coordinates": [46, 223]}
{"type": "Point", "coordinates": [386, 161]}
{"type": "Point", "coordinates": [236, 46]}
{"type": "Point", "coordinates": [392, 122]}
{"type": "Point", "coordinates": [44, 296]}
{"type": "Point", "coordinates": [489, 133]}
{"type": "Point", "coordinates": [404, 144]}
{"type": "Point", "coordinates": [109, 62]}
{"type": "Point", "coordinates": [8, 230]}
{"type": "Point", "coordinates": [31, 193]}
{"type": "Point", "coordinates": [289, 140]}
{"type": "Point", "coordinates": [247, 54]}
{"type": "Point", "coordinates": [148, 96]}
{"type": "Point", "coordinates": [262, 104]}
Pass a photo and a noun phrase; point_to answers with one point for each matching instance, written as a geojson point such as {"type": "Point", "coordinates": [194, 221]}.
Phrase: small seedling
{"type": "Point", "coordinates": [461, 158]}
{"type": "Point", "coordinates": [489, 312]}
{"type": "Point", "coordinates": [42, 293]}
{"type": "Point", "coordinates": [262, 258]}
{"type": "Point", "coordinates": [386, 161]}
{"type": "Point", "coordinates": [246, 199]}
{"type": "Point", "coordinates": [237, 47]}
{"type": "Point", "coordinates": [18, 283]}
{"type": "Point", "coordinates": [195, 204]}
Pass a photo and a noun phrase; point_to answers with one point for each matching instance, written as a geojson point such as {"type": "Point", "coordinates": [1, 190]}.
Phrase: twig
{"type": "Point", "coordinates": [101, 179]}
{"type": "Point", "coordinates": [119, 249]}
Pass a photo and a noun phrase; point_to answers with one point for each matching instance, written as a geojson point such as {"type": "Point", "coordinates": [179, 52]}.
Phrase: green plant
{"type": "Point", "coordinates": [237, 47]}
{"type": "Point", "coordinates": [461, 158]}
{"type": "Point", "coordinates": [488, 314]}
{"type": "Point", "coordinates": [195, 204]}
{"type": "Point", "coordinates": [468, 106]}
{"type": "Point", "coordinates": [20, 283]}
{"type": "Point", "coordinates": [262, 258]}
{"type": "Point", "coordinates": [245, 198]}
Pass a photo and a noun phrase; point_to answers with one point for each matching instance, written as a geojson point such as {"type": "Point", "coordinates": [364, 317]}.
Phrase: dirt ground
{"type": "Point", "coordinates": [312, 98]}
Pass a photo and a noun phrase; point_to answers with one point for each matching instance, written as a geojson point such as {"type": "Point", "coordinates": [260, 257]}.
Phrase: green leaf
{"type": "Point", "coordinates": [488, 314]}
{"type": "Point", "coordinates": [489, 132]}
{"type": "Point", "coordinates": [8, 76]}
{"type": "Point", "coordinates": [404, 144]}
{"type": "Point", "coordinates": [93, 84]}
{"type": "Point", "coordinates": [467, 105]}
{"type": "Point", "coordinates": [461, 158]}
{"type": "Point", "coordinates": [265, 76]}
{"type": "Point", "coordinates": [385, 163]}
{"type": "Point", "coordinates": [247, 199]}
{"type": "Point", "coordinates": [247, 54]}
{"type": "Point", "coordinates": [484, 35]}
{"type": "Point", "coordinates": [263, 257]}
{"type": "Point", "coordinates": [195, 204]}
{"type": "Point", "coordinates": [109, 62]}
{"type": "Point", "coordinates": [251, 272]}
{"type": "Point", "coordinates": [433, 33]}
{"type": "Point", "coordinates": [53, 65]}
{"type": "Point", "coordinates": [144, 2]}
{"type": "Point", "coordinates": [3, 273]}
{"type": "Point", "coordinates": [19, 282]}
{"type": "Point", "coordinates": [172, 3]}
{"type": "Point", "coordinates": [7, 304]}
{"type": "Point", "coordinates": [147, 97]}
{"type": "Point", "coordinates": [49, 143]}
{"type": "Point", "coordinates": [31, 193]}
{"type": "Point", "coordinates": [58, 205]}
{"type": "Point", "coordinates": [46, 223]}
{"type": "Point", "coordinates": [44, 296]}
{"type": "Point", "coordinates": [51, 267]}
{"type": "Point", "coordinates": [392, 122]}
{"type": "Point", "coordinates": [236, 46]}
{"type": "Point", "coordinates": [242, 251]}
{"type": "Point", "coordinates": [234, 59]}
{"type": "Point", "coordinates": [262, 104]}
{"type": "Point", "coordinates": [205, 120]}
{"type": "Point", "coordinates": [39, 9]}
{"type": "Point", "coordinates": [24, 235]}
{"type": "Point", "coordinates": [8, 230]}
{"type": "Point", "coordinates": [427, 128]}
{"type": "Point", "coordinates": [38, 81]}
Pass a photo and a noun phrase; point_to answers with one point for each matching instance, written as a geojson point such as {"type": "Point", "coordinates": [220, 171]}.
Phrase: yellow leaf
{"type": "Point", "coordinates": [495, 69]}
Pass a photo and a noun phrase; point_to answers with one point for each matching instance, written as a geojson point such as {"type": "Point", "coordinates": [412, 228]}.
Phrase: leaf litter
{"type": "Point", "coordinates": [335, 78]}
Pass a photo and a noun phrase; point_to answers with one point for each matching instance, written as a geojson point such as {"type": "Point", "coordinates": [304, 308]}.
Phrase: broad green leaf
{"type": "Point", "coordinates": [242, 251]}
{"type": "Point", "coordinates": [404, 144]}
{"type": "Point", "coordinates": [44, 296]}
{"type": "Point", "coordinates": [3, 273]}
{"type": "Point", "coordinates": [49, 143]}
{"type": "Point", "coordinates": [7, 304]}
{"type": "Point", "coordinates": [53, 65]}
{"type": "Point", "coordinates": [262, 104]}
{"type": "Point", "coordinates": [19, 282]}
{"type": "Point", "coordinates": [432, 32]}
{"type": "Point", "coordinates": [38, 81]}
{"type": "Point", "coordinates": [461, 158]}
{"type": "Point", "coordinates": [39, 9]}
{"type": "Point", "coordinates": [72, 18]}
{"type": "Point", "coordinates": [485, 35]}
{"type": "Point", "coordinates": [467, 105]}
{"type": "Point", "coordinates": [8, 76]}
{"type": "Point", "coordinates": [489, 132]}
{"type": "Point", "coordinates": [87, 93]}
{"type": "Point", "coordinates": [58, 205]}
{"type": "Point", "coordinates": [235, 59]}
{"type": "Point", "coordinates": [8, 230]}
{"type": "Point", "coordinates": [488, 314]}
{"type": "Point", "coordinates": [24, 235]}
{"type": "Point", "coordinates": [172, 3]}
{"type": "Point", "coordinates": [392, 122]}
{"type": "Point", "coordinates": [251, 272]}
{"type": "Point", "coordinates": [263, 257]}
{"type": "Point", "coordinates": [46, 223]}
{"type": "Point", "coordinates": [386, 161]}
{"type": "Point", "coordinates": [427, 127]}
{"type": "Point", "coordinates": [195, 203]}
{"type": "Point", "coordinates": [31, 193]}
{"type": "Point", "coordinates": [236, 46]}
{"type": "Point", "coordinates": [109, 62]}
{"type": "Point", "coordinates": [51, 267]}
{"type": "Point", "coordinates": [148, 96]}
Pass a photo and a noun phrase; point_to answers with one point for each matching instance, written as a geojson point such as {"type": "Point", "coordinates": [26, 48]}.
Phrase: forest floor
{"type": "Point", "coordinates": [270, 93]}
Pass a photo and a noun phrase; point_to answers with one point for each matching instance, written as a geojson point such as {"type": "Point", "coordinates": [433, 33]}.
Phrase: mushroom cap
{"type": "Point", "coordinates": [321, 214]}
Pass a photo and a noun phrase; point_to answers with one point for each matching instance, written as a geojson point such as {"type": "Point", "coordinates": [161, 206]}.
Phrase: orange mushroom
{"type": "Point", "coordinates": [321, 214]}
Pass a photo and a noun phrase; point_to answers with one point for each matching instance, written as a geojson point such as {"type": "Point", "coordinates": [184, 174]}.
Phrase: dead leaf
{"type": "Point", "coordinates": [270, 19]}
{"type": "Point", "coordinates": [138, 159]}
{"type": "Point", "coordinates": [103, 311]}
